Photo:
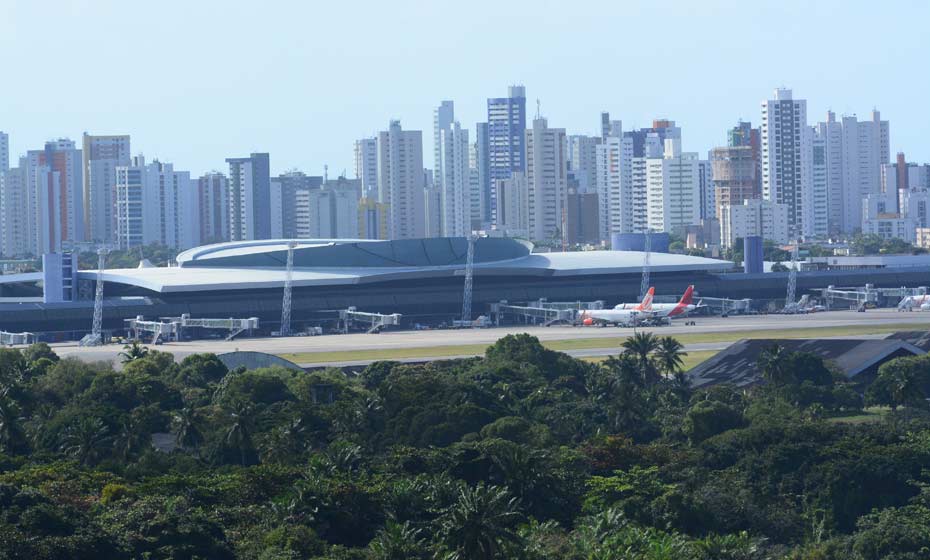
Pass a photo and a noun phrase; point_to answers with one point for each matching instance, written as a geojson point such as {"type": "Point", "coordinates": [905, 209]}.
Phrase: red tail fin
{"type": "Point", "coordinates": [686, 298]}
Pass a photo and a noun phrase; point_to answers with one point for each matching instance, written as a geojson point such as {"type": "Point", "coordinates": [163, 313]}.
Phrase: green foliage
{"type": "Point", "coordinates": [523, 453]}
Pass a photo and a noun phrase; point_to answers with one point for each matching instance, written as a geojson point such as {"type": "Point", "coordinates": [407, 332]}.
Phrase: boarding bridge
{"type": "Point", "coordinates": [372, 322]}
{"type": "Point", "coordinates": [573, 305]}
{"type": "Point", "coordinates": [859, 296]}
{"type": "Point", "coordinates": [15, 338]}
{"type": "Point", "coordinates": [234, 326]}
{"type": "Point", "coordinates": [160, 331]}
{"type": "Point", "coordinates": [725, 306]}
{"type": "Point", "coordinates": [532, 315]}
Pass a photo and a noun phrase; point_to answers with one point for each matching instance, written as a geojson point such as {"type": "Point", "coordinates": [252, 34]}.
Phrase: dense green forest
{"type": "Point", "coordinates": [524, 453]}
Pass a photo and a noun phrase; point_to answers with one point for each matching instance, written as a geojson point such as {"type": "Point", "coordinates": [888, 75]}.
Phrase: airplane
{"type": "Point", "coordinates": [671, 310]}
{"type": "Point", "coordinates": [624, 314]}
{"type": "Point", "coordinates": [909, 303]}
{"type": "Point", "coordinates": [641, 306]}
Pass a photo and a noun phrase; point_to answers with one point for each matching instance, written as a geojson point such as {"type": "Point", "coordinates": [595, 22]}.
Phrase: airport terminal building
{"type": "Point", "coordinates": [422, 279]}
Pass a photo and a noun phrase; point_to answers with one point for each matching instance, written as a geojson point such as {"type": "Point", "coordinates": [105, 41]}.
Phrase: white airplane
{"type": "Point", "coordinates": [672, 310]}
{"type": "Point", "coordinates": [624, 314]}
{"type": "Point", "coordinates": [910, 303]}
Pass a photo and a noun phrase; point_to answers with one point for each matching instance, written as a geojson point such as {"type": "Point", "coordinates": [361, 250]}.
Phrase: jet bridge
{"type": "Point", "coordinates": [371, 322]}
{"type": "Point", "coordinates": [532, 314]}
{"type": "Point", "coordinates": [233, 325]}
{"type": "Point", "coordinates": [13, 339]}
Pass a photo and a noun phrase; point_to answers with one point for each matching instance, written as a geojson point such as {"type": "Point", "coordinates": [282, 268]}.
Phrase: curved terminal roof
{"type": "Point", "coordinates": [341, 253]}
{"type": "Point", "coordinates": [261, 264]}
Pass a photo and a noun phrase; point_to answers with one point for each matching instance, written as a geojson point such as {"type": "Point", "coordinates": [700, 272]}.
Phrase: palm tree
{"type": "Point", "coordinates": [85, 439]}
{"type": "Point", "coordinates": [670, 356]}
{"type": "Point", "coordinates": [772, 363]}
{"type": "Point", "coordinates": [186, 431]}
{"type": "Point", "coordinates": [642, 345]}
{"type": "Point", "coordinates": [398, 541]}
{"type": "Point", "coordinates": [239, 434]}
{"type": "Point", "coordinates": [12, 436]}
{"type": "Point", "coordinates": [128, 438]}
{"type": "Point", "coordinates": [132, 352]}
{"type": "Point", "coordinates": [481, 525]}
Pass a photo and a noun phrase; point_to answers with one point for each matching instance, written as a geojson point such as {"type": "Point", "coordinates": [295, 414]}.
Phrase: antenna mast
{"type": "Point", "coordinates": [288, 279]}
{"type": "Point", "coordinates": [469, 271]}
{"type": "Point", "coordinates": [647, 249]}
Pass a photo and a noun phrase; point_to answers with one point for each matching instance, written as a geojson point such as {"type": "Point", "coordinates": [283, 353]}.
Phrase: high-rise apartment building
{"type": "Point", "coordinates": [156, 204]}
{"type": "Point", "coordinates": [372, 219]}
{"type": "Point", "coordinates": [57, 199]}
{"type": "Point", "coordinates": [582, 161]}
{"type": "Point", "coordinates": [673, 193]}
{"type": "Point", "coordinates": [401, 181]}
{"type": "Point", "coordinates": [452, 174]}
{"type": "Point", "coordinates": [249, 197]}
{"type": "Point", "coordinates": [213, 204]}
{"type": "Point", "coordinates": [443, 117]}
{"type": "Point", "coordinates": [366, 165]}
{"type": "Point", "coordinates": [546, 180]}
{"type": "Point", "coordinates": [332, 210]}
{"type": "Point", "coordinates": [615, 207]}
{"type": "Point", "coordinates": [16, 221]}
{"type": "Point", "coordinates": [786, 159]}
{"type": "Point", "coordinates": [290, 213]}
{"type": "Point", "coordinates": [754, 217]}
{"type": "Point", "coordinates": [854, 152]}
{"type": "Point", "coordinates": [506, 137]}
{"type": "Point", "coordinates": [481, 212]}
{"type": "Point", "coordinates": [609, 127]}
{"type": "Point", "coordinates": [4, 152]}
{"type": "Point", "coordinates": [904, 176]}
{"type": "Point", "coordinates": [101, 156]}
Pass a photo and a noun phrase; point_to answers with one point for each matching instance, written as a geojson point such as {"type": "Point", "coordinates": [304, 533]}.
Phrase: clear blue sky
{"type": "Point", "coordinates": [195, 82]}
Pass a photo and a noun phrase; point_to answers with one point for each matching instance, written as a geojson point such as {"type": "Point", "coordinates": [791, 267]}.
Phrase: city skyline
{"type": "Point", "coordinates": [294, 94]}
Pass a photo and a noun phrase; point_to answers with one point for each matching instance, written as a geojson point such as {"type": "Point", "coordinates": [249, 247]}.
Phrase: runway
{"type": "Point", "coordinates": [878, 318]}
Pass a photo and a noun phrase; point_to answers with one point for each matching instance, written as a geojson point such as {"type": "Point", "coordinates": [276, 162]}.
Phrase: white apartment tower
{"type": "Point", "coordinates": [452, 172]}
{"type": "Point", "coordinates": [854, 153]}
{"type": "Point", "coordinates": [786, 159]}
{"type": "Point", "coordinates": [546, 179]}
{"type": "Point", "coordinates": [213, 204]}
{"type": "Point", "coordinates": [54, 177]}
{"type": "Point", "coordinates": [366, 165]}
{"type": "Point", "coordinates": [101, 156]}
{"type": "Point", "coordinates": [401, 181]}
{"type": "Point", "coordinates": [443, 117]}
{"type": "Point", "coordinates": [4, 152]}
{"type": "Point", "coordinates": [753, 217]}
{"type": "Point", "coordinates": [615, 208]}
{"type": "Point", "coordinates": [16, 221]}
{"type": "Point", "coordinates": [673, 191]}
{"type": "Point", "coordinates": [156, 204]}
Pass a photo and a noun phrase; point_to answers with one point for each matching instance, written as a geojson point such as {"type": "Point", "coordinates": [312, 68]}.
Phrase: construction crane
{"type": "Point", "coordinates": [95, 338]}
{"type": "Point", "coordinates": [792, 279]}
{"type": "Point", "coordinates": [469, 271]}
{"type": "Point", "coordinates": [647, 249]}
{"type": "Point", "coordinates": [288, 279]}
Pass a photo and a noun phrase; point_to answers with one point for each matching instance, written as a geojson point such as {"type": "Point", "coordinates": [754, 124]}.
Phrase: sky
{"type": "Point", "coordinates": [197, 81]}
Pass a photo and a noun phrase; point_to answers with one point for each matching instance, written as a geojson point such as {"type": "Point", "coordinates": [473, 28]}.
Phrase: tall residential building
{"type": "Point", "coordinates": [904, 176]}
{"type": "Point", "coordinates": [288, 216]}
{"type": "Point", "coordinates": [155, 204]}
{"type": "Point", "coordinates": [4, 152]}
{"type": "Point", "coordinates": [101, 156]}
{"type": "Point", "coordinates": [332, 210]}
{"type": "Point", "coordinates": [820, 184]}
{"type": "Point", "coordinates": [609, 127]}
{"type": "Point", "coordinates": [766, 219]}
{"type": "Point", "coordinates": [513, 206]}
{"type": "Point", "coordinates": [743, 134]}
{"type": "Point", "coordinates": [213, 203]}
{"type": "Point", "coordinates": [366, 165]}
{"type": "Point", "coordinates": [372, 219]}
{"type": "Point", "coordinates": [401, 181]}
{"type": "Point", "coordinates": [249, 197]}
{"type": "Point", "coordinates": [443, 117]}
{"type": "Point", "coordinates": [546, 180]}
{"type": "Point", "coordinates": [506, 138]}
{"type": "Point", "coordinates": [582, 161]}
{"type": "Point", "coordinates": [673, 190]}
{"type": "Point", "coordinates": [452, 167]}
{"type": "Point", "coordinates": [581, 218]}
{"type": "Point", "coordinates": [16, 221]}
{"type": "Point", "coordinates": [615, 207]}
{"type": "Point", "coordinates": [786, 159]}
{"type": "Point", "coordinates": [854, 153]}
{"type": "Point", "coordinates": [54, 175]}
{"type": "Point", "coordinates": [706, 192]}
{"type": "Point", "coordinates": [735, 176]}
{"type": "Point", "coordinates": [482, 179]}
